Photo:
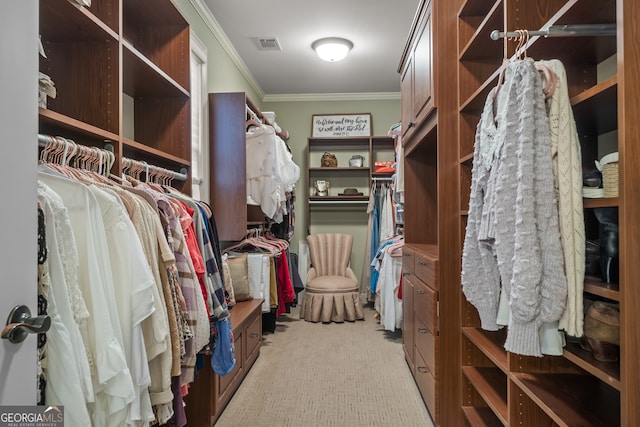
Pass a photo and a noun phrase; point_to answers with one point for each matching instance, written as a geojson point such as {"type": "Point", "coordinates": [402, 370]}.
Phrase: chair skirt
{"type": "Point", "coordinates": [331, 306]}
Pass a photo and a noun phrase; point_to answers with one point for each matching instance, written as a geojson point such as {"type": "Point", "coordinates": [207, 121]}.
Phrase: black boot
{"type": "Point", "coordinates": [609, 265]}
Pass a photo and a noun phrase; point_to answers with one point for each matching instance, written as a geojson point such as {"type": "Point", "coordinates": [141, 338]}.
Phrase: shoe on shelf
{"type": "Point", "coordinates": [602, 330]}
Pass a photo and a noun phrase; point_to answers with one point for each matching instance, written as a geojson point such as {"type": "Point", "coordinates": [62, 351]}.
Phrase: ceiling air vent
{"type": "Point", "coordinates": [269, 43]}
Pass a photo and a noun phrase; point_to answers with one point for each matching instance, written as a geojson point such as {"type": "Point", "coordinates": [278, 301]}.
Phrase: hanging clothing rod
{"type": "Point", "coordinates": [180, 176]}
{"type": "Point", "coordinates": [382, 178]}
{"type": "Point", "coordinates": [43, 140]}
{"type": "Point", "coordinates": [563, 31]}
{"type": "Point", "coordinates": [320, 202]}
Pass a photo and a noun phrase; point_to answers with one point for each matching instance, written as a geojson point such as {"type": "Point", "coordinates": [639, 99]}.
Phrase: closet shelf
{"type": "Point", "coordinates": [491, 384]}
{"type": "Point", "coordinates": [591, 49]}
{"type": "Point", "coordinates": [475, 103]}
{"type": "Point", "coordinates": [601, 202]}
{"type": "Point", "coordinates": [324, 144]}
{"type": "Point", "coordinates": [382, 174]}
{"type": "Point", "coordinates": [428, 137]}
{"type": "Point", "coordinates": [481, 417]}
{"type": "Point", "coordinates": [62, 21]}
{"type": "Point", "coordinates": [162, 13]}
{"type": "Point", "coordinates": [596, 109]}
{"type": "Point", "coordinates": [572, 400]}
{"type": "Point", "coordinates": [338, 199]}
{"type": "Point", "coordinates": [339, 169]}
{"type": "Point", "coordinates": [594, 93]}
{"type": "Point", "coordinates": [143, 78]}
{"type": "Point", "coordinates": [479, 45]}
{"type": "Point", "coordinates": [609, 372]}
{"type": "Point", "coordinates": [476, 7]}
{"type": "Point", "coordinates": [52, 121]}
{"type": "Point", "coordinates": [131, 145]}
{"type": "Point", "coordinates": [466, 158]}
{"type": "Point", "coordinates": [491, 343]}
{"type": "Point", "coordinates": [595, 286]}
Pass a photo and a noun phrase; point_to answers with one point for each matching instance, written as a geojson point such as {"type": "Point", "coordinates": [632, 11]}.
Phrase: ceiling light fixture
{"type": "Point", "coordinates": [332, 49]}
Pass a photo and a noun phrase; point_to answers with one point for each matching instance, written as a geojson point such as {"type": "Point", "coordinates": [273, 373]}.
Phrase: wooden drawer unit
{"type": "Point", "coordinates": [426, 268]}
{"type": "Point", "coordinates": [227, 384]}
{"type": "Point", "coordinates": [427, 344]}
{"type": "Point", "coordinates": [425, 305]}
{"type": "Point", "coordinates": [252, 339]}
{"type": "Point", "coordinates": [427, 385]}
{"type": "Point", "coordinates": [210, 393]}
{"type": "Point", "coordinates": [408, 260]}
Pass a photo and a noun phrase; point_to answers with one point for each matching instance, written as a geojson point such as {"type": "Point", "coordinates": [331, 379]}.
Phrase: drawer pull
{"type": "Point", "coordinates": [422, 369]}
{"type": "Point", "coordinates": [407, 254]}
{"type": "Point", "coordinates": [422, 263]}
{"type": "Point", "coordinates": [254, 335]}
{"type": "Point", "coordinates": [421, 291]}
{"type": "Point", "coordinates": [405, 274]}
{"type": "Point", "coordinates": [422, 330]}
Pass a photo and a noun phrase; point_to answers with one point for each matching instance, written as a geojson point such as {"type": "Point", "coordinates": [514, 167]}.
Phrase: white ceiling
{"type": "Point", "coordinates": [377, 28]}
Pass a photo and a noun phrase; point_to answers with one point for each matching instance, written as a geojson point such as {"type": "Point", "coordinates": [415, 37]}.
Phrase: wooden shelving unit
{"type": "Point", "coordinates": [429, 93]}
{"type": "Point", "coordinates": [343, 176]}
{"type": "Point", "coordinates": [500, 388]}
{"type": "Point", "coordinates": [494, 384]}
{"type": "Point", "coordinates": [95, 63]}
{"type": "Point", "coordinates": [572, 400]}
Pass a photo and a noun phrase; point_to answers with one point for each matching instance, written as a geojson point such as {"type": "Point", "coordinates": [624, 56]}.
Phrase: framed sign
{"type": "Point", "coordinates": [340, 125]}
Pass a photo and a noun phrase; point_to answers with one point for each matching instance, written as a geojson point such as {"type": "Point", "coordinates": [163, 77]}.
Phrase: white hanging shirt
{"type": "Point", "coordinates": [134, 297]}
{"type": "Point", "coordinates": [102, 335]}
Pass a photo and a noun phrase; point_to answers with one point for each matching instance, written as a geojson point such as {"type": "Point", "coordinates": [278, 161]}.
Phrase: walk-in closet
{"type": "Point", "coordinates": [417, 213]}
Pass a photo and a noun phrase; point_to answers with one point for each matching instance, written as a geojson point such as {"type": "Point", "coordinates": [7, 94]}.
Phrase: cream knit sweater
{"type": "Point", "coordinates": [567, 167]}
{"type": "Point", "coordinates": [512, 235]}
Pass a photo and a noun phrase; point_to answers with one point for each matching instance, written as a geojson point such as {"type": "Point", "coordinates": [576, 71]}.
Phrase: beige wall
{"type": "Point", "coordinates": [295, 116]}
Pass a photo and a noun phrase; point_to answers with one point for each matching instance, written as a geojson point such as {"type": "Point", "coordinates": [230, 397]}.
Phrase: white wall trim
{"type": "Point", "coordinates": [217, 31]}
{"type": "Point", "coordinates": [222, 38]}
{"type": "Point", "coordinates": [301, 97]}
{"type": "Point", "coordinates": [198, 47]}
{"type": "Point", "coordinates": [199, 54]}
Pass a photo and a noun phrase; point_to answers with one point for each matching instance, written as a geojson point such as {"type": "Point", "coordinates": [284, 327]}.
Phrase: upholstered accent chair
{"type": "Point", "coordinates": [331, 289]}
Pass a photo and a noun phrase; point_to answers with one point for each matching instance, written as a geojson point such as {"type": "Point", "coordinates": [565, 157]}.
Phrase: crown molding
{"type": "Point", "coordinates": [211, 22]}
{"type": "Point", "coordinates": [303, 97]}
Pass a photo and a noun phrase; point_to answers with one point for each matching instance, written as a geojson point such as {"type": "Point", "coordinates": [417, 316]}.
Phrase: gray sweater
{"type": "Point", "coordinates": [512, 237]}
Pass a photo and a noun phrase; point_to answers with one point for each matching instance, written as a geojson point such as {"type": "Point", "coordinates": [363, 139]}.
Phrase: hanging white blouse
{"type": "Point", "coordinates": [68, 374]}
{"type": "Point", "coordinates": [386, 216]}
{"type": "Point", "coordinates": [271, 171]}
{"type": "Point", "coordinates": [134, 297]}
{"type": "Point", "coordinates": [102, 334]}
{"type": "Point", "coordinates": [259, 274]}
{"type": "Point", "coordinates": [388, 284]}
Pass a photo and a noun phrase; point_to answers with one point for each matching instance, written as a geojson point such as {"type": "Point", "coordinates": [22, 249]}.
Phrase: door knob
{"type": "Point", "coordinates": [20, 324]}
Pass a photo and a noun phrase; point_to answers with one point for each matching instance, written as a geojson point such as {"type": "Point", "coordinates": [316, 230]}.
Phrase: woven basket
{"type": "Point", "coordinates": [610, 179]}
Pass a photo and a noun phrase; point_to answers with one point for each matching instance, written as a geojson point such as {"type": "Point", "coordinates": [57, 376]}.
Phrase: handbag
{"type": "Point", "coordinates": [329, 160]}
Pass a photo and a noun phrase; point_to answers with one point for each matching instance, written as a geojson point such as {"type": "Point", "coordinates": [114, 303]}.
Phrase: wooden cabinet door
{"type": "Point", "coordinates": [406, 96]}
{"type": "Point", "coordinates": [423, 102]}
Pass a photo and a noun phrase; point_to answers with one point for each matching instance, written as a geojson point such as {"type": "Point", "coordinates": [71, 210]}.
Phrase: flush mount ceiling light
{"type": "Point", "coordinates": [332, 49]}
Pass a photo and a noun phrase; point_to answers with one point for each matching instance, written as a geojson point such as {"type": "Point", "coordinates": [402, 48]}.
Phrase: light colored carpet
{"type": "Point", "coordinates": [339, 375]}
